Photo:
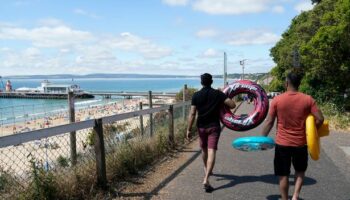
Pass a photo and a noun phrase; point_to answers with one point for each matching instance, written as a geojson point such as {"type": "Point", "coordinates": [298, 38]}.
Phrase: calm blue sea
{"type": "Point", "coordinates": [16, 109]}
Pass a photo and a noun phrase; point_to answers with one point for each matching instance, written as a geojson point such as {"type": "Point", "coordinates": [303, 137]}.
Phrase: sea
{"type": "Point", "coordinates": [14, 110]}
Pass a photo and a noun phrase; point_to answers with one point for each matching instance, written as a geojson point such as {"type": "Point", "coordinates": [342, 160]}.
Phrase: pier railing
{"type": "Point", "coordinates": [72, 156]}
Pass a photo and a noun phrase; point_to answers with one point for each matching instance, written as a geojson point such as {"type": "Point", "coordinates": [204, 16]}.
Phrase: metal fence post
{"type": "Point", "coordinates": [72, 135]}
{"type": "Point", "coordinates": [100, 154]}
{"type": "Point", "coordinates": [150, 115]}
{"type": "Point", "coordinates": [141, 121]}
{"type": "Point", "coordinates": [171, 125]}
{"type": "Point", "coordinates": [184, 92]}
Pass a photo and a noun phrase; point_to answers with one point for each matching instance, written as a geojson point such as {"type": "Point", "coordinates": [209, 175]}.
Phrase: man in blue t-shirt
{"type": "Point", "coordinates": [207, 102]}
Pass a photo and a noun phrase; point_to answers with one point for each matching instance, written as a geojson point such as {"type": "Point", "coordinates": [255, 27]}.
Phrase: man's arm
{"type": "Point", "coordinates": [268, 125]}
{"type": "Point", "coordinates": [191, 117]}
{"type": "Point", "coordinates": [318, 118]}
{"type": "Point", "coordinates": [316, 112]}
{"type": "Point", "coordinates": [230, 103]}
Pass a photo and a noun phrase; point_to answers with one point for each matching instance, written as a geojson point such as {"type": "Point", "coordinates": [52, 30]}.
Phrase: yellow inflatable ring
{"type": "Point", "coordinates": [313, 141]}
{"type": "Point", "coordinates": [324, 129]}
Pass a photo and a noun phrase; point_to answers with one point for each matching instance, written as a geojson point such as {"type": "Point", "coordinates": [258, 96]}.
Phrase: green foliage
{"type": "Point", "coordinates": [6, 180]}
{"type": "Point", "coordinates": [62, 161]}
{"type": "Point", "coordinates": [42, 185]}
{"type": "Point", "coordinates": [338, 118]}
{"type": "Point", "coordinates": [322, 38]}
{"type": "Point", "coordinates": [90, 138]}
{"type": "Point", "coordinates": [315, 1]}
{"type": "Point", "coordinates": [188, 95]}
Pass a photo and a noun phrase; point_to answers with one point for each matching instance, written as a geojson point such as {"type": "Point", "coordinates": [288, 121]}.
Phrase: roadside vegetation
{"type": "Point", "coordinates": [317, 45]}
{"type": "Point", "coordinates": [338, 117]}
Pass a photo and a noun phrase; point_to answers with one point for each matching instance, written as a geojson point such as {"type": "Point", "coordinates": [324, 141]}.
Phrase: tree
{"type": "Point", "coordinates": [322, 38]}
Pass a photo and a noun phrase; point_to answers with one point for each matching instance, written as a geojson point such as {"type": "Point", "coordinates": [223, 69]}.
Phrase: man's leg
{"type": "Point", "coordinates": [299, 179]}
{"type": "Point", "coordinates": [210, 165]}
{"type": "Point", "coordinates": [284, 187]}
{"type": "Point", "coordinates": [205, 158]}
{"type": "Point", "coordinates": [282, 163]}
{"type": "Point", "coordinates": [300, 162]}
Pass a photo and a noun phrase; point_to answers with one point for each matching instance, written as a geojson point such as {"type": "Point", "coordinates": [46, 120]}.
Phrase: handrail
{"type": "Point", "coordinates": [20, 138]}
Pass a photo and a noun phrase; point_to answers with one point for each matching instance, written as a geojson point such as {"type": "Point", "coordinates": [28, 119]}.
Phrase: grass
{"type": "Point", "coordinates": [338, 117]}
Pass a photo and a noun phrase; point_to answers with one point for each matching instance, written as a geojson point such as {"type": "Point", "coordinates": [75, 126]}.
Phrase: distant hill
{"type": "Point", "coordinates": [70, 76]}
{"type": "Point", "coordinates": [256, 76]}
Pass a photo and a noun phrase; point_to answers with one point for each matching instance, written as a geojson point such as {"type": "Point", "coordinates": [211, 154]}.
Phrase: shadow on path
{"type": "Point", "coordinates": [277, 197]}
{"type": "Point", "coordinates": [166, 180]}
{"type": "Point", "coordinates": [269, 178]}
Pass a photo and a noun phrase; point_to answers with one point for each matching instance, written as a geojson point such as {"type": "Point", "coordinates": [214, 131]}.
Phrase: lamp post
{"type": "Point", "coordinates": [225, 69]}
{"type": "Point", "coordinates": [242, 62]}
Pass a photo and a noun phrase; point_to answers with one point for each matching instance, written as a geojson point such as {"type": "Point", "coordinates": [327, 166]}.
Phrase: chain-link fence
{"type": "Point", "coordinates": [71, 161]}
{"type": "Point", "coordinates": [24, 118]}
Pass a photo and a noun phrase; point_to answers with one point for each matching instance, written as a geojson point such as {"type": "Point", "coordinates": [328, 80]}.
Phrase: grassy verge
{"type": "Point", "coordinates": [338, 117]}
{"type": "Point", "coordinates": [127, 158]}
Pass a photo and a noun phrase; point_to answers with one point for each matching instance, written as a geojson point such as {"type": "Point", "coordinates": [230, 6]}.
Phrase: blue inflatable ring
{"type": "Point", "coordinates": [256, 143]}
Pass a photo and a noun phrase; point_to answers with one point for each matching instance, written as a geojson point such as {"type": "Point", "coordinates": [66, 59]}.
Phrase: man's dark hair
{"type": "Point", "coordinates": [294, 79]}
{"type": "Point", "coordinates": [206, 79]}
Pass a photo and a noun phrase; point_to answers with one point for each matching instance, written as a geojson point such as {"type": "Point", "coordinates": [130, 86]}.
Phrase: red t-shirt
{"type": "Point", "coordinates": [291, 110]}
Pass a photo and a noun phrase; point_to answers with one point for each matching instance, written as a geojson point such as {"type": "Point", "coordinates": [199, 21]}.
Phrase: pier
{"type": "Point", "coordinates": [129, 95]}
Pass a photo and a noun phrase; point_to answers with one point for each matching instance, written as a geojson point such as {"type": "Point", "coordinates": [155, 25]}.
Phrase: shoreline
{"type": "Point", "coordinates": [61, 116]}
{"type": "Point", "coordinates": [15, 159]}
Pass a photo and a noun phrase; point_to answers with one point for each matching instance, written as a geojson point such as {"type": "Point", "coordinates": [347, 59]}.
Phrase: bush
{"type": "Point", "coordinates": [42, 185]}
{"type": "Point", "coordinates": [339, 119]}
{"type": "Point", "coordinates": [62, 161]}
{"type": "Point", "coordinates": [189, 94]}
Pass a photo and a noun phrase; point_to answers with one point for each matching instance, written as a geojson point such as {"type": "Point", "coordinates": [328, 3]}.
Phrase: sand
{"type": "Point", "coordinates": [15, 159]}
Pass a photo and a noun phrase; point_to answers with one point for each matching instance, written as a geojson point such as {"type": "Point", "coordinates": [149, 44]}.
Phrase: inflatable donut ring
{"type": "Point", "coordinates": [255, 143]}
{"type": "Point", "coordinates": [252, 120]}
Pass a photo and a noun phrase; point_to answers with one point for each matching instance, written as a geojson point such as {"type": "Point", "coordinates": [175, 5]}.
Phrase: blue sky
{"type": "Point", "coordinates": [183, 37]}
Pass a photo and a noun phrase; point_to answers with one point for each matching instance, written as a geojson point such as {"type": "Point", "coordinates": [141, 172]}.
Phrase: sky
{"type": "Point", "coordinates": [169, 37]}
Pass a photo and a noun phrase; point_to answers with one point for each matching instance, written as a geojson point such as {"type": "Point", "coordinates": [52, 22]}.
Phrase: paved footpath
{"type": "Point", "coordinates": [249, 175]}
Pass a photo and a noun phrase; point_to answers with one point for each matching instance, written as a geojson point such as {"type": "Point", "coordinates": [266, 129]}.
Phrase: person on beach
{"type": "Point", "coordinates": [291, 109]}
{"type": "Point", "coordinates": [207, 103]}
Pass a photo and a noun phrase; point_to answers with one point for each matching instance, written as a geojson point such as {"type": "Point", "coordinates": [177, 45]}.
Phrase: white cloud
{"type": "Point", "coordinates": [29, 61]}
{"type": "Point", "coordinates": [129, 42]}
{"type": "Point", "coordinates": [209, 53]}
{"type": "Point", "coordinates": [278, 9]}
{"type": "Point", "coordinates": [231, 7]}
{"type": "Point", "coordinates": [32, 53]}
{"type": "Point", "coordinates": [79, 11]}
{"type": "Point", "coordinates": [176, 2]}
{"type": "Point", "coordinates": [73, 51]}
{"type": "Point", "coordinates": [51, 22]}
{"type": "Point", "coordinates": [304, 5]}
{"type": "Point", "coordinates": [252, 37]}
{"type": "Point", "coordinates": [60, 36]}
{"type": "Point", "coordinates": [206, 33]}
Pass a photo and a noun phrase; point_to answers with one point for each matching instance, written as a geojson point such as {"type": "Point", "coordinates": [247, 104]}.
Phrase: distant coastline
{"type": "Point", "coordinates": [71, 76]}
{"type": "Point", "coordinates": [100, 75]}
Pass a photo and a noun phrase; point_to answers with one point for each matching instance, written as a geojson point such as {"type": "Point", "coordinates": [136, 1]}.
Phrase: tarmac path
{"type": "Point", "coordinates": [249, 175]}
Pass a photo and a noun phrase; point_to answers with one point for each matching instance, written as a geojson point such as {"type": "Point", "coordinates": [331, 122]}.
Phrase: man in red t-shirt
{"type": "Point", "coordinates": [291, 109]}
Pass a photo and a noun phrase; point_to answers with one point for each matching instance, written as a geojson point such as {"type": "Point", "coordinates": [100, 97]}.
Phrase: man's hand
{"type": "Point", "coordinates": [188, 135]}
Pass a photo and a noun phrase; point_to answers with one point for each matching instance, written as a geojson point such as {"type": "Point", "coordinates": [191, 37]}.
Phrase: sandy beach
{"type": "Point", "coordinates": [91, 112]}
